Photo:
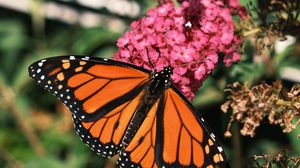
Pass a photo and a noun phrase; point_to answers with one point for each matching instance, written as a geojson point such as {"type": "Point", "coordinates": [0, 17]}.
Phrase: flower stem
{"type": "Point", "coordinates": [236, 143]}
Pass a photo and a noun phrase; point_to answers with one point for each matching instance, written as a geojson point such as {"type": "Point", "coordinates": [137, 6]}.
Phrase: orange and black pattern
{"type": "Point", "coordinates": [180, 140]}
{"type": "Point", "coordinates": [123, 109]}
{"type": "Point", "coordinates": [102, 103]}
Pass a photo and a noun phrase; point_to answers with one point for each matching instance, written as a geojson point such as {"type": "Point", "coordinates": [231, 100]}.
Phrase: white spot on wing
{"type": "Point", "coordinates": [86, 58]}
{"type": "Point", "coordinates": [212, 136]}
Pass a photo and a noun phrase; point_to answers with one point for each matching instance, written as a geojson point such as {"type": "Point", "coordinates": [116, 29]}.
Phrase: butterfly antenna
{"type": "Point", "coordinates": [187, 63]}
{"type": "Point", "coordinates": [150, 62]}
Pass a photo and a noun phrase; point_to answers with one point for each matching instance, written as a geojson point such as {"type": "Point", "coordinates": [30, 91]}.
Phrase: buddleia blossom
{"type": "Point", "coordinates": [189, 37]}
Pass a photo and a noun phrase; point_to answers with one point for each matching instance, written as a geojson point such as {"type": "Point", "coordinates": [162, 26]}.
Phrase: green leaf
{"type": "Point", "coordinates": [12, 41]}
{"type": "Point", "coordinates": [12, 35]}
{"type": "Point", "coordinates": [294, 139]}
{"type": "Point", "coordinates": [280, 58]}
{"type": "Point", "coordinates": [249, 72]}
{"type": "Point", "coordinates": [247, 2]}
{"type": "Point", "coordinates": [208, 93]}
{"type": "Point", "coordinates": [89, 39]}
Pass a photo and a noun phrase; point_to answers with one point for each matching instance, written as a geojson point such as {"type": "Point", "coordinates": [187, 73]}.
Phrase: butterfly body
{"type": "Point", "coordinates": [119, 108]}
{"type": "Point", "coordinates": [159, 82]}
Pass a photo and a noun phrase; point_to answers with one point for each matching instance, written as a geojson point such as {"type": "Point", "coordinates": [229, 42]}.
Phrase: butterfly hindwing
{"type": "Point", "coordinates": [104, 135]}
{"type": "Point", "coordinates": [173, 136]}
{"type": "Point", "coordinates": [102, 95]}
{"type": "Point", "coordinates": [140, 152]}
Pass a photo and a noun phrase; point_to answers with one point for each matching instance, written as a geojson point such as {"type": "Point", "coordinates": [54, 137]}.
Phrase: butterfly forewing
{"type": "Point", "coordinates": [102, 95]}
{"type": "Point", "coordinates": [187, 139]}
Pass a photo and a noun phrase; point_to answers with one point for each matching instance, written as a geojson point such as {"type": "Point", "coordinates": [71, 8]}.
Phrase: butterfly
{"type": "Point", "coordinates": [119, 108]}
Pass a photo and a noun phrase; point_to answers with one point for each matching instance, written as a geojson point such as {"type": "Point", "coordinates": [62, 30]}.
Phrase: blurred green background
{"type": "Point", "coordinates": [36, 130]}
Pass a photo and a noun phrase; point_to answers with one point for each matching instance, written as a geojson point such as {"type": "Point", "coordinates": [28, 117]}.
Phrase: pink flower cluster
{"type": "Point", "coordinates": [189, 37]}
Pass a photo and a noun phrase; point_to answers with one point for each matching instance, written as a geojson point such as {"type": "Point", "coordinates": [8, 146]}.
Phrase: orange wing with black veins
{"type": "Point", "coordinates": [102, 94]}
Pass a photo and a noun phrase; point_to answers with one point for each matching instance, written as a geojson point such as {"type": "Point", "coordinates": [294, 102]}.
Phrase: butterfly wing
{"type": "Point", "coordinates": [102, 94]}
{"type": "Point", "coordinates": [140, 152]}
{"type": "Point", "coordinates": [173, 135]}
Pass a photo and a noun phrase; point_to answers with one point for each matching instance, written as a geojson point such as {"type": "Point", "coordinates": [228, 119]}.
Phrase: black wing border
{"type": "Point", "coordinates": [101, 60]}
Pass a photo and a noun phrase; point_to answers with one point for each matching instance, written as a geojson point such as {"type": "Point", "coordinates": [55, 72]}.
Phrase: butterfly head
{"type": "Point", "coordinates": [163, 76]}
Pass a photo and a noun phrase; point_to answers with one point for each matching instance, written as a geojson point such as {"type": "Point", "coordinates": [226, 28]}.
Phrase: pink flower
{"type": "Point", "coordinates": [176, 78]}
{"type": "Point", "coordinates": [123, 40]}
{"type": "Point", "coordinates": [147, 21]}
{"type": "Point", "coordinates": [209, 65]}
{"type": "Point", "coordinates": [180, 70]}
{"type": "Point", "coordinates": [124, 53]}
{"type": "Point", "coordinates": [160, 40]}
{"type": "Point", "coordinates": [187, 91]}
{"type": "Point", "coordinates": [227, 34]}
{"type": "Point", "coordinates": [213, 57]}
{"type": "Point", "coordinates": [174, 37]}
{"type": "Point", "coordinates": [160, 26]}
{"type": "Point", "coordinates": [231, 58]}
{"type": "Point", "coordinates": [193, 51]}
{"type": "Point", "coordinates": [153, 54]}
{"type": "Point", "coordinates": [209, 27]}
{"type": "Point", "coordinates": [183, 54]}
{"type": "Point", "coordinates": [193, 66]}
{"type": "Point", "coordinates": [200, 72]}
{"type": "Point", "coordinates": [234, 3]}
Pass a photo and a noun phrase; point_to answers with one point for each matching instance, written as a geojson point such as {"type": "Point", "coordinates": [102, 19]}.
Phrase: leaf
{"type": "Point", "coordinates": [89, 39]}
{"type": "Point", "coordinates": [249, 72]}
{"type": "Point", "coordinates": [295, 140]}
{"type": "Point", "coordinates": [12, 41]}
{"type": "Point", "coordinates": [12, 35]}
{"type": "Point", "coordinates": [280, 58]}
{"type": "Point", "coordinates": [208, 93]}
{"type": "Point", "coordinates": [254, 4]}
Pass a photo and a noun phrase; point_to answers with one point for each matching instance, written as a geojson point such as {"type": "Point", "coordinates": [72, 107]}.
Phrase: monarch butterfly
{"type": "Point", "coordinates": [119, 108]}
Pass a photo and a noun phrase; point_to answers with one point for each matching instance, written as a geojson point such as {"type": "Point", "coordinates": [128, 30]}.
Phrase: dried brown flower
{"type": "Point", "coordinates": [272, 21]}
{"type": "Point", "coordinates": [251, 105]}
{"type": "Point", "coordinates": [280, 159]}
{"type": "Point", "coordinates": [278, 16]}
